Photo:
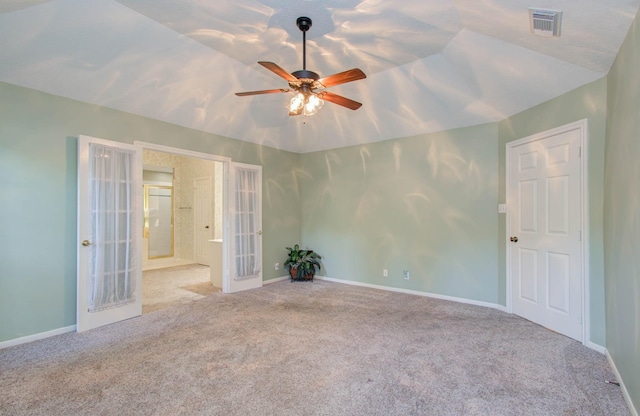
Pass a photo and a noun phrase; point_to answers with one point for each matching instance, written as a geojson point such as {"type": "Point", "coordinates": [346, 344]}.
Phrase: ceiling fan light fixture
{"type": "Point", "coordinates": [296, 103]}
{"type": "Point", "coordinates": [307, 104]}
{"type": "Point", "coordinates": [312, 105]}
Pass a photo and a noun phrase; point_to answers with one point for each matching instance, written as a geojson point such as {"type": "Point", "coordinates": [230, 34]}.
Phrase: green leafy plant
{"type": "Point", "coordinates": [302, 263]}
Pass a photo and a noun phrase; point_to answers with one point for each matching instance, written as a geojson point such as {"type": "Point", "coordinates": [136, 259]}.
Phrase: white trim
{"type": "Point", "coordinates": [154, 168]}
{"type": "Point", "coordinates": [36, 337]}
{"type": "Point", "coordinates": [179, 151]}
{"type": "Point", "coordinates": [623, 388]}
{"type": "Point", "coordinates": [276, 280]}
{"type": "Point", "coordinates": [415, 292]}
{"type": "Point", "coordinates": [581, 125]}
{"type": "Point", "coordinates": [586, 273]}
{"type": "Point", "coordinates": [596, 347]}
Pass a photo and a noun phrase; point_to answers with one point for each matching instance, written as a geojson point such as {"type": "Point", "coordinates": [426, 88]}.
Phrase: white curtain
{"type": "Point", "coordinates": [247, 222]}
{"type": "Point", "coordinates": [113, 222]}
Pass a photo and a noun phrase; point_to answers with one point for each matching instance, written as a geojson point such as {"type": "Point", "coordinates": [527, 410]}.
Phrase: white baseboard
{"type": "Point", "coordinates": [625, 392]}
{"type": "Point", "coordinates": [596, 347]}
{"type": "Point", "coordinates": [417, 293]}
{"type": "Point", "coordinates": [276, 280]}
{"type": "Point", "coordinates": [162, 263]}
{"type": "Point", "coordinates": [35, 337]}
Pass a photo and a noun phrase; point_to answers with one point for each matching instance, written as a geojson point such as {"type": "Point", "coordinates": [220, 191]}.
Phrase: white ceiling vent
{"type": "Point", "coordinates": [545, 22]}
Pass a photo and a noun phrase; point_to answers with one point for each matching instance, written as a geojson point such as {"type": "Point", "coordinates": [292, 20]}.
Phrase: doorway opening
{"type": "Point", "coordinates": [110, 230]}
{"type": "Point", "coordinates": [183, 226]}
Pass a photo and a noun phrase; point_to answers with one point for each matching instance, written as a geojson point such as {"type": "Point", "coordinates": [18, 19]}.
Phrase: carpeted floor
{"type": "Point", "coordinates": [170, 286]}
{"type": "Point", "coordinates": [310, 348]}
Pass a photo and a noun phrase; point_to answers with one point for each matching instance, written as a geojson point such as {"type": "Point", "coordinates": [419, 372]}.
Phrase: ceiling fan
{"type": "Point", "coordinates": [307, 85]}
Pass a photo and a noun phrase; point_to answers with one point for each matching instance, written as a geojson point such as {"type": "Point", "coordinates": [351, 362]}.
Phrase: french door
{"type": "Point", "coordinates": [245, 223]}
{"type": "Point", "coordinates": [545, 226]}
{"type": "Point", "coordinates": [109, 232]}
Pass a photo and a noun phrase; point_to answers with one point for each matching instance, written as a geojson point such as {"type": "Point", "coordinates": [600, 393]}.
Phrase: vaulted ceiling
{"type": "Point", "coordinates": [431, 65]}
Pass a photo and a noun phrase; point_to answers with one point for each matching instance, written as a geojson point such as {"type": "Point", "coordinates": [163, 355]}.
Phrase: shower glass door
{"type": "Point", "coordinates": [158, 220]}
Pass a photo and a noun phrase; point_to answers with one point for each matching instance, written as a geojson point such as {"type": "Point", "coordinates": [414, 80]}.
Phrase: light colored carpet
{"type": "Point", "coordinates": [202, 289]}
{"type": "Point", "coordinates": [170, 286]}
{"type": "Point", "coordinates": [310, 348]}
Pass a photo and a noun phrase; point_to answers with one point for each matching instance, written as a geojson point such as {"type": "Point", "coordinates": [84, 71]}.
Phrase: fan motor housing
{"type": "Point", "coordinates": [303, 73]}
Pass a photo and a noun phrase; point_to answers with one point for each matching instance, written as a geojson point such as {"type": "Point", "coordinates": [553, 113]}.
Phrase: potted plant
{"type": "Point", "coordinates": [302, 263]}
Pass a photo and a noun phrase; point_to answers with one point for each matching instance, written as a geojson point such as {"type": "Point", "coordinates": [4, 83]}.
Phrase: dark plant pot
{"type": "Point", "coordinates": [293, 272]}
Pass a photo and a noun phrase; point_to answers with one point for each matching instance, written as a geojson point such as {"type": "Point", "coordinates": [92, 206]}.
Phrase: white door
{"type": "Point", "coordinates": [109, 232]}
{"type": "Point", "coordinates": [245, 221]}
{"type": "Point", "coordinates": [545, 248]}
{"type": "Point", "coordinates": [202, 220]}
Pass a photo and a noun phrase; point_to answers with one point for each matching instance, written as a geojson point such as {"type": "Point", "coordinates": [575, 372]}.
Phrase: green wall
{"type": "Point", "coordinates": [38, 160]}
{"type": "Point", "coordinates": [587, 102]}
{"type": "Point", "coordinates": [622, 214]}
{"type": "Point", "coordinates": [427, 204]}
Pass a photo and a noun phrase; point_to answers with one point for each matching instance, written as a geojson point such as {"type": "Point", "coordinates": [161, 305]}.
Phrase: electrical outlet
{"type": "Point", "coordinates": [385, 273]}
{"type": "Point", "coordinates": [406, 274]}
{"type": "Point", "coordinates": [277, 266]}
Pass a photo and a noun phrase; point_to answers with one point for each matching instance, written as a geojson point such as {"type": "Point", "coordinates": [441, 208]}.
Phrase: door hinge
{"type": "Point", "coordinates": [580, 236]}
{"type": "Point", "coordinates": [579, 151]}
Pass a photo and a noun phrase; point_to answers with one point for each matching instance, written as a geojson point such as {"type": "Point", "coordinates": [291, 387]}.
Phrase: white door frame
{"type": "Point", "coordinates": [226, 161]}
{"type": "Point", "coordinates": [581, 125]}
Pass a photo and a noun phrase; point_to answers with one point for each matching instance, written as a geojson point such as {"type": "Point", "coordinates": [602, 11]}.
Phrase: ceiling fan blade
{"type": "Point", "coordinates": [341, 78]}
{"type": "Point", "coordinates": [278, 71]}
{"type": "Point", "coordinates": [242, 94]}
{"type": "Point", "coordinates": [340, 100]}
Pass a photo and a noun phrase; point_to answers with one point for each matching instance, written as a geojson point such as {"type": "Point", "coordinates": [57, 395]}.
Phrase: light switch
{"type": "Point", "coordinates": [502, 208]}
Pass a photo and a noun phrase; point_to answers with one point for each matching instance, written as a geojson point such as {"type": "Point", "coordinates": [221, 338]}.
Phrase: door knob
{"type": "Point", "coordinates": [206, 226]}
{"type": "Point", "coordinates": [260, 232]}
{"type": "Point", "coordinates": [86, 243]}
{"type": "Point", "coordinates": [514, 239]}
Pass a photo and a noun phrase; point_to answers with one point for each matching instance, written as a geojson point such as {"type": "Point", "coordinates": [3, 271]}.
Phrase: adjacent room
{"type": "Point", "coordinates": [467, 171]}
{"type": "Point", "coordinates": [182, 228]}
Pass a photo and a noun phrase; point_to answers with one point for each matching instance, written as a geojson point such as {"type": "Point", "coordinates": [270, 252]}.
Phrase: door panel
{"type": "Point", "coordinates": [558, 281]}
{"type": "Point", "coordinates": [528, 206]}
{"type": "Point", "coordinates": [558, 203]}
{"type": "Point", "coordinates": [202, 220]}
{"type": "Point", "coordinates": [545, 227]}
{"type": "Point", "coordinates": [109, 232]}
{"type": "Point", "coordinates": [527, 275]}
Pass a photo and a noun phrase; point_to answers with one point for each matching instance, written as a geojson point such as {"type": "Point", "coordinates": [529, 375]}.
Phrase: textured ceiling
{"type": "Point", "coordinates": [431, 64]}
